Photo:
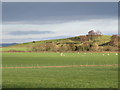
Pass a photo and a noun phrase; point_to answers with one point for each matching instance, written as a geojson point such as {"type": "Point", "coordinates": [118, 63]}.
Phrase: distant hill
{"type": "Point", "coordinates": [100, 40]}
{"type": "Point", "coordinates": [7, 44]}
{"type": "Point", "coordinates": [78, 43]}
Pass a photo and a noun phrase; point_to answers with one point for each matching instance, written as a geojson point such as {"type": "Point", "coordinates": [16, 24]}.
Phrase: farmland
{"type": "Point", "coordinates": [58, 45]}
{"type": "Point", "coordinates": [51, 70]}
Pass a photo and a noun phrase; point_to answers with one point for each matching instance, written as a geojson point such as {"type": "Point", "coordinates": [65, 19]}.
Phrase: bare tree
{"type": "Point", "coordinates": [92, 32]}
{"type": "Point", "coordinates": [98, 32]}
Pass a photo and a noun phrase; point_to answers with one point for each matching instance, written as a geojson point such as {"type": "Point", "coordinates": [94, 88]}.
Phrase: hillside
{"type": "Point", "coordinates": [78, 43]}
{"type": "Point", "coordinates": [100, 40]}
{"type": "Point", "coordinates": [7, 44]}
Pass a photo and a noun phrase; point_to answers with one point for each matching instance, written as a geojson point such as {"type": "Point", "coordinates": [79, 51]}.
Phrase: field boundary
{"type": "Point", "coordinates": [59, 66]}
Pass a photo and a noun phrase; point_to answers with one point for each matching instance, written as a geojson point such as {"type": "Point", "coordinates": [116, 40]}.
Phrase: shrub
{"type": "Point", "coordinates": [94, 47]}
{"type": "Point", "coordinates": [110, 48]}
{"type": "Point", "coordinates": [114, 41]}
{"type": "Point", "coordinates": [33, 41]}
{"type": "Point", "coordinates": [34, 49]}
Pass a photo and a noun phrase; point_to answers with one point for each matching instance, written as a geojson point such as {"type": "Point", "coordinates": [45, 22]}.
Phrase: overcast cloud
{"type": "Point", "coordinates": [39, 21]}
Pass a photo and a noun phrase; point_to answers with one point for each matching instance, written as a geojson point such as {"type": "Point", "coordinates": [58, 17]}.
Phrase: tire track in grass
{"type": "Point", "coordinates": [59, 66]}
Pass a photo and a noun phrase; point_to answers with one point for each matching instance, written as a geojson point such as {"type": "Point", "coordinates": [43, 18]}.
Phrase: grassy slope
{"type": "Point", "coordinates": [103, 39]}
{"type": "Point", "coordinates": [27, 46]}
{"type": "Point", "coordinates": [74, 77]}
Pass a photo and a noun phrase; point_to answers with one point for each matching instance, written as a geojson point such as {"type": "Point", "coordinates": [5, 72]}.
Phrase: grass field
{"type": "Point", "coordinates": [14, 48]}
{"type": "Point", "coordinates": [60, 77]}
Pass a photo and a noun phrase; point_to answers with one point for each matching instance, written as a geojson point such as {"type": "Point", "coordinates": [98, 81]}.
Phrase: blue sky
{"type": "Point", "coordinates": [27, 21]}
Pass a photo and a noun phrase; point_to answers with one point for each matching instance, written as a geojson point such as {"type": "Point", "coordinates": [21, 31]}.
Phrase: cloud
{"type": "Point", "coordinates": [41, 12]}
{"type": "Point", "coordinates": [73, 28]}
{"type": "Point", "coordinates": [58, 20]}
{"type": "Point", "coordinates": [29, 32]}
{"type": "Point", "coordinates": [19, 40]}
{"type": "Point", "coordinates": [38, 21]}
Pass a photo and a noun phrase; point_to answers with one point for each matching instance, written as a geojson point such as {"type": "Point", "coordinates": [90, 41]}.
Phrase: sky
{"type": "Point", "coordinates": [28, 21]}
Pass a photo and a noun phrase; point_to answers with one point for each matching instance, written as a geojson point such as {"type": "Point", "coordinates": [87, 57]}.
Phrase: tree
{"type": "Point", "coordinates": [33, 41]}
{"type": "Point", "coordinates": [92, 34]}
{"type": "Point", "coordinates": [98, 33]}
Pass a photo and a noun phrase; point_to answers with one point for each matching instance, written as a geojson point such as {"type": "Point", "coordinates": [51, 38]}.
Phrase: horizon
{"type": "Point", "coordinates": [47, 39]}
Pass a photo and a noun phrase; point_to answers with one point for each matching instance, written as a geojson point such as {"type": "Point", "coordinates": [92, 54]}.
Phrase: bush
{"type": "Point", "coordinates": [33, 41]}
{"type": "Point", "coordinates": [94, 47]}
{"type": "Point", "coordinates": [34, 49]}
{"type": "Point", "coordinates": [110, 48]}
{"type": "Point", "coordinates": [114, 41]}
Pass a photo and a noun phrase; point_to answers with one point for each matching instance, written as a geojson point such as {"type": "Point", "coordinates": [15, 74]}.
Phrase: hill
{"type": "Point", "coordinates": [7, 44]}
{"type": "Point", "coordinates": [78, 43]}
{"type": "Point", "coordinates": [100, 40]}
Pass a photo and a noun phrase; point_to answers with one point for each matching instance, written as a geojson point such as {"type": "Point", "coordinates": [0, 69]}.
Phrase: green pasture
{"type": "Point", "coordinates": [64, 77]}
{"type": "Point", "coordinates": [14, 48]}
